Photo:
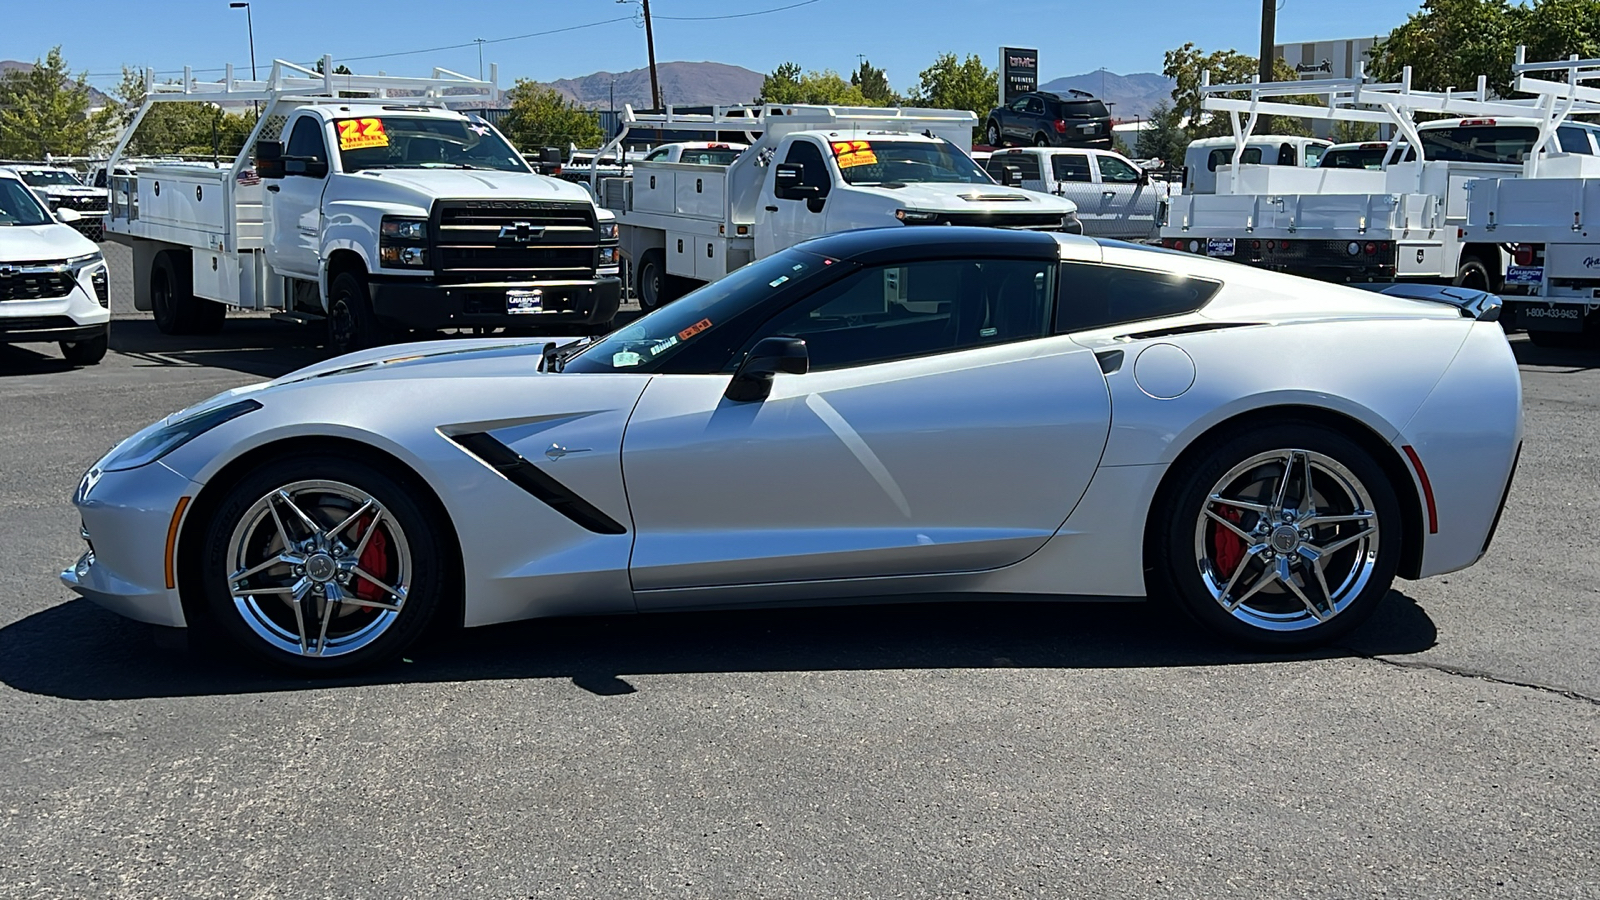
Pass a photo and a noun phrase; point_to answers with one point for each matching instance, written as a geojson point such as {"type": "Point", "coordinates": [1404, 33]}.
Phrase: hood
{"type": "Point", "coordinates": [81, 190]}
{"type": "Point", "coordinates": [970, 198]}
{"type": "Point", "coordinates": [32, 243]}
{"type": "Point", "coordinates": [477, 184]}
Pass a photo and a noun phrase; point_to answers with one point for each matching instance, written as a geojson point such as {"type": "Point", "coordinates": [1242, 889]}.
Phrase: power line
{"type": "Point", "coordinates": [759, 12]}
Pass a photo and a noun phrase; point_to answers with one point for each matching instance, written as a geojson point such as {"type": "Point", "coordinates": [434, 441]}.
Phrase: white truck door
{"type": "Point", "coordinates": [1128, 208]}
{"type": "Point", "coordinates": [1075, 180]}
{"type": "Point", "coordinates": [793, 219]}
{"type": "Point", "coordinates": [295, 201]}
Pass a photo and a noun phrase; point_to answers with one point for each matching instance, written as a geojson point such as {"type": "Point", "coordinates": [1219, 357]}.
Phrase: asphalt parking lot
{"type": "Point", "coordinates": [1451, 749]}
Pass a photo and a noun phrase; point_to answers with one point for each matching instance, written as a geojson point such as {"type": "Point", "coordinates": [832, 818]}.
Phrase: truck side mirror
{"type": "Point", "coordinates": [1011, 176]}
{"type": "Point", "coordinates": [770, 355]}
{"type": "Point", "coordinates": [786, 183]}
{"type": "Point", "coordinates": [269, 159]}
{"type": "Point", "coordinates": [1144, 177]}
{"type": "Point", "coordinates": [308, 166]}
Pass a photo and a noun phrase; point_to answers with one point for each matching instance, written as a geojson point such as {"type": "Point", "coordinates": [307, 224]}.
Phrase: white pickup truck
{"type": "Point", "coordinates": [61, 189]}
{"type": "Point", "coordinates": [809, 171]}
{"type": "Point", "coordinates": [1550, 216]}
{"type": "Point", "coordinates": [366, 205]}
{"type": "Point", "coordinates": [1115, 198]}
{"type": "Point", "coordinates": [1403, 222]}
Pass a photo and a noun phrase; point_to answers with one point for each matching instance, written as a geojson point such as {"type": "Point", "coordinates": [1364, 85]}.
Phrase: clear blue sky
{"type": "Point", "coordinates": [900, 35]}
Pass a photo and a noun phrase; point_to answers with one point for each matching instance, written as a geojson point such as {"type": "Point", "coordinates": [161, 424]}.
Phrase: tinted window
{"type": "Point", "coordinates": [1035, 106]}
{"type": "Point", "coordinates": [919, 309]}
{"type": "Point", "coordinates": [1479, 143]}
{"type": "Point", "coordinates": [1027, 163]}
{"type": "Point", "coordinates": [1071, 167]}
{"type": "Point", "coordinates": [1094, 296]}
{"type": "Point", "coordinates": [1224, 156]}
{"type": "Point", "coordinates": [806, 155]}
{"type": "Point", "coordinates": [306, 140]}
{"type": "Point", "coordinates": [1574, 140]}
{"type": "Point", "coordinates": [1365, 157]}
{"type": "Point", "coordinates": [1082, 109]}
{"type": "Point", "coordinates": [1115, 171]}
{"type": "Point", "coordinates": [1286, 155]}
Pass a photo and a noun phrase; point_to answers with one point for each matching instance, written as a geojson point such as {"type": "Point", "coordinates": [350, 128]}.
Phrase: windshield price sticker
{"type": "Point", "coordinates": [854, 153]}
{"type": "Point", "coordinates": [359, 134]}
{"type": "Point", "coordinates": [694, 329]}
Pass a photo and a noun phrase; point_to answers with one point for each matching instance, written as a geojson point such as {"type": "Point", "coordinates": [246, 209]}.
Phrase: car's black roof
{"type": "Point", "coordinates": [871, 246]}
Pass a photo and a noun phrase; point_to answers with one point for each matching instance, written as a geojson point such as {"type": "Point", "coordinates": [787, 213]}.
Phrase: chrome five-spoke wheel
{"type": "Point", "coordinates": [1284, 535]}
{"type": "Point", "coordinates": [319, 568]}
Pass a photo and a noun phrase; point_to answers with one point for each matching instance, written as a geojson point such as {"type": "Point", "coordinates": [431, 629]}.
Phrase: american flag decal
{"type": "Point", "coordinates": [248, 176]}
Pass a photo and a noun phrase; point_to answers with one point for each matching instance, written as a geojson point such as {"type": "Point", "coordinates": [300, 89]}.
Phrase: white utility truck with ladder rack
{"type": "Point", "coordinates": [1402, 222]}
{"type": "Point", "coordinates": [367, 203]}
{"type": "Point", "coordinates": [1549, 217]}
{"type": "Point", "coordinates": [808, 171]}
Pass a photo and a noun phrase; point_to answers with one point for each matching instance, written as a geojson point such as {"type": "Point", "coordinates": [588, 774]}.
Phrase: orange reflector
{"type": "Point", "coordinates": [172, 539]}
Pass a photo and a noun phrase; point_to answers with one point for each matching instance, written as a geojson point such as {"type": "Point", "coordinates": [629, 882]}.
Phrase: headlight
{"type": "Point", "coordinates": [402, 243]}
{"type": "Point", "coordinates": [403, 256]}
{"type": "Point", "coordinates": [608, 256]}
{"type": "Point", "coordinates": [404, 229]}
{"type": "Point", "coordinates": [916, 216]}
{"type": "Point", "coordinates": [153, 443]}
{"type": "Point", "coordinates": [608, 231]}
{"type": "Point", "coordinates": [1071, 224]}
{"type": "Point", "coordinates": [95, 265]}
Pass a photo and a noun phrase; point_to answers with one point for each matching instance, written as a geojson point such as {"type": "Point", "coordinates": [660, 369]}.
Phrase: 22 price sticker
{"type": "Point", "coordinates": [359, 134]}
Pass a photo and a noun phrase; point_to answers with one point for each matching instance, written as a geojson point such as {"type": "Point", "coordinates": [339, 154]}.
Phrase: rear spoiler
{"type": "Point", "coordinates": [1480, 305]}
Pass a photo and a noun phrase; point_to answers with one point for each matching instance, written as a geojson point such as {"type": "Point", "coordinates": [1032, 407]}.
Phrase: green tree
{"type": "Point", "coordinates": [874, 84]}
{"type": "Point", "coordinates": [1353, 132]}
{"type": "Point", "coordinates": [1188, 63]}
{"type": "Point", "coordinates": [1164, 138]}
{"type": "Point", "coordinates": [786, 84]}
{"type": "Point", "coordinates": [541, 117]}
{"type": "Point", "coordinates": [958, 84]}
{"type": "Point", "coordinates": [1449, 43]}
{"type": "Point", "coordinates": [45, 111]}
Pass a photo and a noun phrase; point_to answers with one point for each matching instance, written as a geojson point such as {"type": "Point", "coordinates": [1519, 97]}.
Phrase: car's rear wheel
{"type": "Point", "coordinates": [321, 563]}
{"type": "Point", "coordinates": [1041, 140]}
{"type": "Point", "coordinates": [993, 135]}
{"type": "Point", "coordinates": [87, 352]}
{"type": "Point", "coordinates": [1280, 537]}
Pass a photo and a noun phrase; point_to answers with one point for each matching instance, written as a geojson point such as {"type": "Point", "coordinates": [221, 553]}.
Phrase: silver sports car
{"type": "Point", "coordinates": [894, 413]}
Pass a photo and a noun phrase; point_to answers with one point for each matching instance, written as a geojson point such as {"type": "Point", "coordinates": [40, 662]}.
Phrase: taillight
{"type": "Point", "coordinates": [1371, 249]}
{"type": "Point", "coordinates": [1061, 126]}
{"type": "Point", "coordinates": [1272, 245]}
{"type": "Point", "coordinates": [1522, 254]}
{"type": "Point", "coordinates": [1255, 245]}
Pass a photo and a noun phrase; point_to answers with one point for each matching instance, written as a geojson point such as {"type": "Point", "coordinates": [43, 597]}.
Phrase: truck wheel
{"type": "Point", "coordinates": [993, 135]}
{"type": "Point", "coordinates": [1474, 274]}
{"type": "Point", "coordinates": [87, 353]}
{"type": "Point", "coordinates": [351, 323]}
{"type": "Point", "coordinates": [171, 295]}
{"type": "Point", "coordinates": [653, 285]}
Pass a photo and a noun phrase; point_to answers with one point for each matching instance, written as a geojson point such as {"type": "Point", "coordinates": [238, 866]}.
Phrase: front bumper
{"type": "Point", "coordinates": [78, 316]}
{"type": "Point", "coordinates": [422, 303]}
{"type": "Point", "coordinates": [126, 519]}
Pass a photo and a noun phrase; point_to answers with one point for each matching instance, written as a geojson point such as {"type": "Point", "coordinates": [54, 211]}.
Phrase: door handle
{"type": "Point", "coordinates": [772, 209]}
{"type": "Point", "coordinates": [1108, 193]}
{"type": "Point", "coordinates": [273, 188]}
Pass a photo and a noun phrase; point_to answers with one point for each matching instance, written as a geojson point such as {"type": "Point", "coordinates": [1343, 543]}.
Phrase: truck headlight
{"type": "Point", "coordinates": [402, 242]}
{"type": "Point", "coordinates": [608, 231]}
{"type": "Point", "coordinates": [1071, 224]}
{"type": "Point", "coordinates": [608, 256]}
{"type": "Point", "coordinates": [916, 216]}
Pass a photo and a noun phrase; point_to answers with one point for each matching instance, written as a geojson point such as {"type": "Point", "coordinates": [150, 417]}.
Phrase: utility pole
{"type": "Point", "coordinates": [1269, 28]}
{"type": "Point", "coordinates": [479, 42]}
{"type": "Point", "coordinates": [650, 44]}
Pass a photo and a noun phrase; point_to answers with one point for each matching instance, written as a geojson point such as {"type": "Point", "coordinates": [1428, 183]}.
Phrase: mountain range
{"type": "Point", "coordinates": [1133, 95]}
{"type": "Point", "coordinates": [96, 98]}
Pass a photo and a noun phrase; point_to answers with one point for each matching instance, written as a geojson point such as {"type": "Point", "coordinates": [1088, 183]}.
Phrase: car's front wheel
{"type": "Point", "coordinates": [322, 563]}
{"type": "Point", "coordinates": [994, 135]}
{"type": "Point", "coordinates": [1280, 537]}
{"type": "Point", "coordinates": [87, 352]}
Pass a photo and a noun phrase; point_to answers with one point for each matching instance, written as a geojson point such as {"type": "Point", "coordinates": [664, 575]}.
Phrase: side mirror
{"type": "Point", "coordinates": [1144, 177]}
{"type": "Point", "coordinates": [786, 183]}
{"type": "Point", "coordinates": [771, 355]}
{"type": "Point", "coordinates": [67, 216]}
{"type": "Point", "coordinates": [307, 166]}
{"type": "Point", "coordinates": [1011, 176]}
{"type": "Point", "coordinates": [269, 159]}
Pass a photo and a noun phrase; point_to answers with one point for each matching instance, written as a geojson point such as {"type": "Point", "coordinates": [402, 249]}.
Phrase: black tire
{"type": "Point", "coordinates": [1185, 547]}
{"type": "Point", "coordinates": [1566, 340]}
{"type": "Point", "coordinates": [1473, 273]}
{"type": "Point", "coordinates": [171, 296]}
{"type": "Point", "coordinates": [352, 325]}
{"type": "Point", "coordinates": [89, 352]}
{"type": "Point", "coordinates": [654, 286]}
{"type": "Point", "coordinates": [430, 571]}
{"type": "Point", "coordinates": [1041, 140]}
{"type": "Point", "coordinates": [996, 139]}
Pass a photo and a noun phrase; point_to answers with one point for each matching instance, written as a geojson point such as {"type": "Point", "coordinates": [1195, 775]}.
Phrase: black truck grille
{"type": "Point", "coordinates": [478, 241]}
{"type": "Point", "coordinates": [17, 284]}
{"type": "Point", "coordinates": [1030, 221]}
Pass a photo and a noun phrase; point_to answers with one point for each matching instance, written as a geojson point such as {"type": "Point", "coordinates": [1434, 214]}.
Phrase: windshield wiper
{"type": "Point", "coordinates": [554, 358]}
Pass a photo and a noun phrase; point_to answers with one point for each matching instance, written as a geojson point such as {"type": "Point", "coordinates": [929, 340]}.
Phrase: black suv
{"type": "Point", "coordinates": [1041, 119]}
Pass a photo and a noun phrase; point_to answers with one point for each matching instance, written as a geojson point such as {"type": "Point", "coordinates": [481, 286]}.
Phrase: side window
{"type": "Point", "coordinates": [1574, 140]}
{"type": "Point", "coordinates": [1035, 106]}
{"type": "Point", "coordinates": [1222, 157]}
{"type": "Point", "coordinates": [657, 154]}
{"type": "Point", "coordinates": [1250, 157]}
{"type": "Point", "coordinates": [920, 309]}
{"type": "Point", "coordinates": [306, 139]}
{"type": "Point", "coordinates": [1071, 167]}
{"type": "Point", "coordinates": [1097, 296]}
{"type": "Point", "coordinates": [1020, 104]}
{"type": "Point", "coordinates": [1314, 155]}
{"type": "Point", "coordinates": [1026, 163]}
{"type": "Point", "coordinates": [1115, 171]}
{"type": "Point", "coordinates": [1286, 155]}
{"type": "Point", "coordinates": [806, 155]}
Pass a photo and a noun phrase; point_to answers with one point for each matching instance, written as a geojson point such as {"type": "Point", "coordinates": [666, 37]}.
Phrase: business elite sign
{"type": "Point", "coordinates": [1019, 73]}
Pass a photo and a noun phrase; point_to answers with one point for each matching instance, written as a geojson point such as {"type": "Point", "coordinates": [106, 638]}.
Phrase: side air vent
{"type": "Point", "coordinates": [537, 482]}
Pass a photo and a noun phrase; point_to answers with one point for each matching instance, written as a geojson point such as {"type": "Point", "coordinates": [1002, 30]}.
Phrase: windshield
{"type": "Point", "coordinates": [1355, 158]}
{"type": "Point", "coordinates": [706, 319]}
{"type": "Point", "coordinates": [417, 142]}
{"type": "Point", "coordinates": [896, 163]}
{"type": "Point", "coordinates": [709, 157]}
{"type": "Point", "coordinates": [18, 205]}
{"type": "Point", "coordinates": [46, 178]}
{"type": "Point", "coordinates": [1479, 143]}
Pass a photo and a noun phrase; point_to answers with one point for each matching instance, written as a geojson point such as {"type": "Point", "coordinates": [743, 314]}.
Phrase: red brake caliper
{"type": "Point", "coordinates": [1227, 548]}
{"type": "Point", "coordinates": [374, 560]}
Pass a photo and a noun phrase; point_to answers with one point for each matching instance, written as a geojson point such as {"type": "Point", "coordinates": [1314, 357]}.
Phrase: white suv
{"type": "Point", "coordinates": [53, 280]}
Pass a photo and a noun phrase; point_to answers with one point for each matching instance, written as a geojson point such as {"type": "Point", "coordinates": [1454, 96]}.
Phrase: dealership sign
{"type": "Point", "coordinates": [1019, 73]}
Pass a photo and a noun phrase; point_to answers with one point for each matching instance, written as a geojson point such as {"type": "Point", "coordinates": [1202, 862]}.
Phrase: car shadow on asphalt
{"type": "Point", "coordinates": [79, 651]}
{"type": "Point", "coordinates": [1573, 359]}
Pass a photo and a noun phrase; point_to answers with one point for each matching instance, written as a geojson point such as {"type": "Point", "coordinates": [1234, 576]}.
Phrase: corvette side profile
{"type": "Point", "coordinates": [906, 413]}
